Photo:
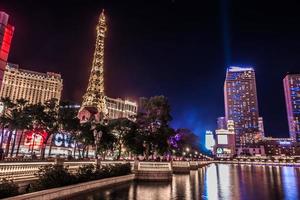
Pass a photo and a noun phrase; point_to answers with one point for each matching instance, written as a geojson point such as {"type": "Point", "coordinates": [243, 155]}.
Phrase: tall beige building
{"type": "Point", "coordinates": [35, 87]}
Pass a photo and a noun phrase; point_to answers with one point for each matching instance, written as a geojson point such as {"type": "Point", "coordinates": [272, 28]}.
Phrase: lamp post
{"type": "Point", "coordinates": [97, 136]}
{"type": "Point", "coordinates": [184, 153]}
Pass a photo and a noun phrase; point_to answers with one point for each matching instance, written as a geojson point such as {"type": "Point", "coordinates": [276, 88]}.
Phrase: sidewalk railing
{"type": "Point", "coordinates": [154, 166]}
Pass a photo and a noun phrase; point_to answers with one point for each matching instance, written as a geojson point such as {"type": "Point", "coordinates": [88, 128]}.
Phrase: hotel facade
{"type": "Point", "coordinates": [35, 87]}
{"type": "Point", "coordinates": [291, 84]}
{"type": "Point", "coordinates": [241, 105]}
{"type": "Point", "coordinates": [119, 108]}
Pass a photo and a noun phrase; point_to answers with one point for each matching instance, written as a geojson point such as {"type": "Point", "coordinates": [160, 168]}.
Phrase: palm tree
{"type": "Point", "coordinates": [85, 136]}
{"type": "Point", "coordinates": [36, 113]}
{"type": "Point", "coordinates": [7, 105]}
{"type": "Point", "coordinates": [24, 120]}
{"type": "Point", "coordinates": [68, 121]}
{"type": "Point", "coordinates": [13, 121]}
{"type": "Point", "coordinates": [49, 122]}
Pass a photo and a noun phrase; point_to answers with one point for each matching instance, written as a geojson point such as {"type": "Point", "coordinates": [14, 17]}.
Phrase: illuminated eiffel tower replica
{"type": "Point", "coordinates": [93, 106]}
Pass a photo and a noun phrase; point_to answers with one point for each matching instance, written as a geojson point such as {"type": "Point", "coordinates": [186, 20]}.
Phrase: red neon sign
{"type": "Point", "coordinates": [5, 44]}
{"type": "Point", "coordinates": [35, 137]}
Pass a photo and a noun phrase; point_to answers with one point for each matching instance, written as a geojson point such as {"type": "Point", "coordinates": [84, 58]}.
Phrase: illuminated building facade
{"type": "Point", "coordinates": [225, 141]}
{"type": "Point", "coordinates": [261, 127]}
{"type": "Point", "coordinates": [6, 34]}
{"type": "Point", "coordinates": [209, 140]}
{"type": "Point", "coordinates": [281, 146]}
{"type": "Point", "coordinates": [292, 101]}
{"type": "Point", "coordinates": [95, 103]}
{"type": "Point", "coordinates": [241, 104]}
{"type": "Point", "coordinates": [119, 108]}
{"type": "Point", "coordinates": [221, 123]}
{"type": "Point", "coordinates": [35, 87]}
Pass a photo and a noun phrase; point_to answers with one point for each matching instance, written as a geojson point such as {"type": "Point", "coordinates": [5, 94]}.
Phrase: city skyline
{"type": "Point", "coordinates": [125, 64]}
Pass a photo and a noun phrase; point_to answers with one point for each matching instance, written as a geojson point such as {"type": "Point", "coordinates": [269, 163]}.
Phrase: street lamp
{"type": "Point", "coordinates": [187, 149]}
{"type": "Point", "coordinates": [97, 136]}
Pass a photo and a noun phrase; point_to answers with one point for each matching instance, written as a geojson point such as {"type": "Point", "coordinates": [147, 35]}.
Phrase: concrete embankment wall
{"type": "Point", "coordinates": [67, 191]}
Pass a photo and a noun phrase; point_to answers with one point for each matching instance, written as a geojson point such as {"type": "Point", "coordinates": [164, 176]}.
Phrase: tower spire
{"type": "Point", "coordinates": [94, 98]}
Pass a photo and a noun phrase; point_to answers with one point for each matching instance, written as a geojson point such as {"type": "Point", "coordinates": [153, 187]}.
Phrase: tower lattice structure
{"type": "Point", "coordinates": [95, 96]}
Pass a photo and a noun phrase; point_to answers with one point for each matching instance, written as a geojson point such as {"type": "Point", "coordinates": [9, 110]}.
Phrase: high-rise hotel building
{"type": "Point", "coordinates": [6, 34]}
{"type": "Point", "coordinates": [241, 104]}
{"type": "Point", "coordinates": [291, 84]}
{"type": "Point", "coordinates": [35, 87]}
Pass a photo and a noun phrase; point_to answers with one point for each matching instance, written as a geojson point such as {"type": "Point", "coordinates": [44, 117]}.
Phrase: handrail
{"type": "Point", "coordinates": [154, 166]}
{"type": "Point", "coordinates": [180, 164]}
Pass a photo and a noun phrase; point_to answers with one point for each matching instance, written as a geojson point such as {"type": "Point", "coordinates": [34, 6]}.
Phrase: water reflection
{"type": "Point", "coordinates": [290, 184]}
{"type": "Point", "coordinates": [217, 181]}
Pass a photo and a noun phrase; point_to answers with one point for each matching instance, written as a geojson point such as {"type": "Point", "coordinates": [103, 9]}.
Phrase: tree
{"type": "Point", "coordinates": [12, 125]}
{"type": "Point", "coordinates": [23, 121]}
{"type": "Point", "coordinates": [153, 120]}
{"type": "Point", "coordinates": [4, 119]}
{"type": "Point", "coordinates": [183, 139]}
{"type": "Point", "coordinates": [85, 136]}
{"type": "Point", "coordinates": [45, 117]}
{"type": "Point", "coordinates": [68, 122]}
{"type": "Point", "coordinates": [107, 140]}
{"type": "Point", "coordinates": [161, 139]}
{"type": "Point", "coordinates": [121, 127]}
{"type": "Point", "coordinates": [134, 141]}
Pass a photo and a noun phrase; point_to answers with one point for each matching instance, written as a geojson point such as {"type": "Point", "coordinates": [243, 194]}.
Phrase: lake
{"type": "Point", "coordinates": [216, 181]}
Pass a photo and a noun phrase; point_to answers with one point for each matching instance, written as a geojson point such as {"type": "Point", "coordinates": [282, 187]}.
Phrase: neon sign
{"type": "Point", "coordinates": [219, 150]}
{"type": "Point", "coordinates": [284, 142]}
{"type": "Point", "coordinates": [63, 140]}
{"type": "Point", "coordinates": [35, 137]}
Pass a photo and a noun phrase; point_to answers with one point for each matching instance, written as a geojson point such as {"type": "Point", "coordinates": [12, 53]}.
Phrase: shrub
{"type": "Point", "coordinates": [92, 172]}
{"type": "Point", "coordinates": [120, 169]}
{"type": "Point", "coordinates": [8, 188]}
{"type": "Point", "coordinates": [103, 172]}
{"type": "Point", "coordinates": [51, 176]}
{"type": "Point", "coordinates": [86, 173]}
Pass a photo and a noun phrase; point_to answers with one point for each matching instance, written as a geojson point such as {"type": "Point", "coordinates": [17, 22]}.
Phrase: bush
{"type": "Point", "coordinates": [51, 176]}
{"type": "Point", "coordinates": [86, 173]}
{"type": "Point", "coordinates": [8, 188]}
{"type": "Point", "coordinates": [120, 169]}
{"type": "Point", "coordinates": [92, 172]}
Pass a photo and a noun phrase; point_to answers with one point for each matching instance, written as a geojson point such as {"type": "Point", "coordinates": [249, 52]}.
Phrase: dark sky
{"type": "Point", "coordinates": [179, 49]}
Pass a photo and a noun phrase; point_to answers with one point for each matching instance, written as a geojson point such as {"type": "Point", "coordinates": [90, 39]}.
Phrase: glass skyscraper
{"type": "Point", "coordinates": [291, 84]}
{"type": "Point", "coordinates": [241, 104]}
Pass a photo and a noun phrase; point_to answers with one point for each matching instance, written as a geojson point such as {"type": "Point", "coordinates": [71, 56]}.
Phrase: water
{"type": "Point", "coordinates": [216, 181]}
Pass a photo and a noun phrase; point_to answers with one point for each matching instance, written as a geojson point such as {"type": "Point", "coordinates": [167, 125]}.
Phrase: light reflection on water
{"type": "Point", "coordinates": [217, 181]}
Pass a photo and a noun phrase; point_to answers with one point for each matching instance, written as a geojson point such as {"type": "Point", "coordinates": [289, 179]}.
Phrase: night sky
{"type": "Point", "coordinates": [179, 49]}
